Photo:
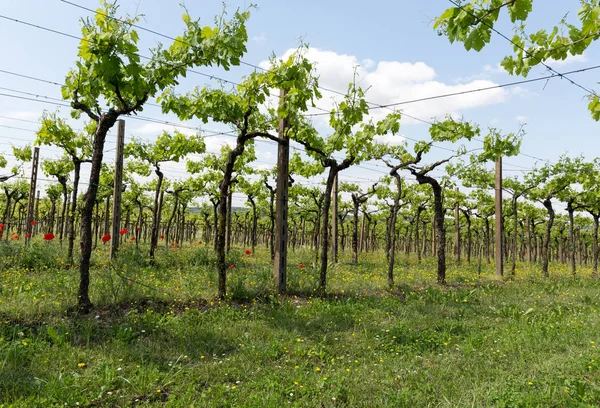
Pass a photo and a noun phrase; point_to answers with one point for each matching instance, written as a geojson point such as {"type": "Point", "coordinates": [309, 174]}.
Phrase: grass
{"type": "Point", "coordinates": [156, 337]}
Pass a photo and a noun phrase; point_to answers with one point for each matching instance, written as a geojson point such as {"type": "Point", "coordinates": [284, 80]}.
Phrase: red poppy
{"type": "Point", "coordinates": [132, 239]}
{"type": "Point", "coordinates": [123, 231]}
{"type": "Point", "coordinates": [301, 266]}
{"type": "Point", "coordinates": [230, 266]}
{"type": "Point", "coordinates": [32, 222]}
{"type": "Point", "coordinates": [48, 237]}
{"type": "Point", "coordinates": [248, 252]}
{"type": "Point", "coordinates": [14, 237]}
{"type": "Point", "coordinates": [106, 238]}
{"type": "Point", "coordinates": [28, 235]}
{"type": "Point", "coordinates": [199, 242]}
{"type": "Point", "coordinates": [162, 237]}
{"type": "Point", "coordinates": [137, 228]}
{"type": "Point", "coordinates": [173, 244]}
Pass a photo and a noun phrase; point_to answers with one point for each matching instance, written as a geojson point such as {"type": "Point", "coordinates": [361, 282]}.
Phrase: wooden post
{"type": "Point", "coordinates": [433, 240]}
{"type": "Point", "coordinates": [117, 190]}
{"type": "Point", "coordinates": [498, 240]}
{"type": "Point", "coordinates": [161, 199]}
{"type": "Point", "coordinates": [456, 232]}
{"type": "Point", "coordinates": [424, 243]}
{"type": "Point", "coordinates": [281, 204]}
{"type": "Point", "coordinates": [32, 189]}
{"type": "Point", "coordinates": [528, 238]}
{"type": "Point", "coordinates": [334, 221]}
{"type": "Point", "coordinates": [362, 234]}
{"type": "Point", "coordinates": [577, 244]}
{"type": "Point", "coordinates": [37, 213]}
{"type": "Point", "coordinates": [106, 215]}
{"type": "Point", "coordinates": [229, 216]}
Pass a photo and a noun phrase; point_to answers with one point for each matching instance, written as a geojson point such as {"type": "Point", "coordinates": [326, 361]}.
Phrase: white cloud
{"type": "Point", "coordinates": [389, 139]}
{"type": "Point", "coordinates": [367, 63]}
{"type": "Point", "coordinates": [24, 115]}
{"type": "Point", "coordinates": [214, 144]}
{"type": "Point", "coordinates": [394, 81]}
{"type": "Point", "coordinates": [520, 91]}
{"type": "Point", "coordinates": [262, 166]}
{"type": "Point", "coordinates": [487, 72]}
{"type": "Point", "coordinates": [260, 39]}
{"type": "Point", "coordinates": [489, 69]}
{"type": "Point", "coordinates": [521, 118]}
{"type": "Point", "coordinates": [571, 59]}
{"type": "Point", "coordinates": [155, 129]}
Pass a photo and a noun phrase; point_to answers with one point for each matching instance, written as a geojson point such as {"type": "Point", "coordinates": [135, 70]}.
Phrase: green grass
{"type": "Point", "coordinates": [477, 342]}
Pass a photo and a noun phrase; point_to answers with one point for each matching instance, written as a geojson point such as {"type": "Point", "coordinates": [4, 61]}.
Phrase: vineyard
{"type": "Point", "coordinates": [360, 267]}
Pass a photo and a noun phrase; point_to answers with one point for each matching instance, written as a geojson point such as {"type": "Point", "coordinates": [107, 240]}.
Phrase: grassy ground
{"type": "Point", "coordinates": [478, 342]}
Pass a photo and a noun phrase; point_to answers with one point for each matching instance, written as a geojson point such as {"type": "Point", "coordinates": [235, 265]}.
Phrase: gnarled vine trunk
{"type": "Point", "coordinates": [105, 122]}
{"type": "Point", "coordinates": [546, 244]}
{"type": "Point", "coordinates": [77, 164]}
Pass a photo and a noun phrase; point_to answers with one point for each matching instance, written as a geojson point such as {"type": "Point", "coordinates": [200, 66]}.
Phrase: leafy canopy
{"type": "Point", "coordinates": [240, 108]}
{"type": "Point", "coordinates": [352, 133]}
{"type": "Point", "coordinates": [472, 23]}
{"type": "Point", "coordinates": [167, 147]}
{"type": "Point", "coordinates": [110, 67]}
{"type": "Point", "coordinates": [59, 168]}
{"type": "Point", "coordinates": [55, 131]}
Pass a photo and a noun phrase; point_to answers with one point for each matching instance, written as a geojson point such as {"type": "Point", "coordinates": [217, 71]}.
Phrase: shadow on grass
{"type": "Point", "coordinates": [141, 323]}
{"type": "Point", "coordinates": [145, 328]}
{"type": "Point", "coordinates": [17, 376]}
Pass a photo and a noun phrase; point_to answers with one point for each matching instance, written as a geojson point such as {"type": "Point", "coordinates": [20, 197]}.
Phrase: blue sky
{"type": "Point", "coordinates": [400, 54]}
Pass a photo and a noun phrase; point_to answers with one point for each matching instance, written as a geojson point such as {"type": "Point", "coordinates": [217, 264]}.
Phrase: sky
{"type": "Point", "coordinates": [392, 45]}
